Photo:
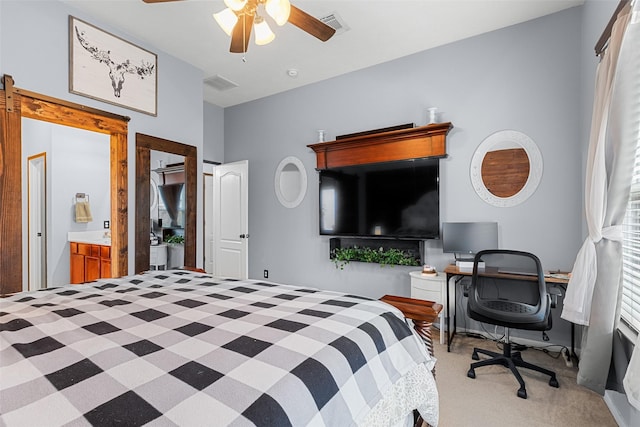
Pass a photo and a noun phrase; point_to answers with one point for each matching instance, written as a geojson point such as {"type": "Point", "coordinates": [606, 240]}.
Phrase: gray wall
{"type": "Point", "coordinates": [524, 77]}
{"type": "Point", "coordinates": [34, 50]}
{"type": "Point", "coordinates": [213, 133]}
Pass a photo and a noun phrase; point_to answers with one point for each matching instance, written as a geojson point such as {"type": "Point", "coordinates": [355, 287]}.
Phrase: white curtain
{"type": "Point", "coordinates": [593, 293]}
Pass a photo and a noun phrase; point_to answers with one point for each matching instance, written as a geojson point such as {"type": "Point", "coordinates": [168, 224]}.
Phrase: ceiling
{"type": "Point", "coordinates": [378, 31]}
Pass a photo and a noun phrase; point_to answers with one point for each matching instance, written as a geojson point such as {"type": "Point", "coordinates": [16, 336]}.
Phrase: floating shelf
{"type": "Point", "coordinates": [402, 144]}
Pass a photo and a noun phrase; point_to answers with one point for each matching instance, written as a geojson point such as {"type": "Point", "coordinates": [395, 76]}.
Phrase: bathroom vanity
{"type": "Point", "coordinates": [90, 256]}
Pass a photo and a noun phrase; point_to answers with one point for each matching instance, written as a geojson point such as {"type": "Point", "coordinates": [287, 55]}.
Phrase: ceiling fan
{"type": "Point", "coordinates": [240, 16]}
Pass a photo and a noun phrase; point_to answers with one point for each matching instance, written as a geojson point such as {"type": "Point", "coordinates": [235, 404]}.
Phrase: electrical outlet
{"type": "Point", "coordinates": [105, 224]}
{"type": "Point", "coordinates": [266, 274]}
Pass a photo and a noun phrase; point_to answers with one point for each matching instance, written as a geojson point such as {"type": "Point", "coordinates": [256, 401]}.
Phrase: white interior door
{"type": "Point", "coordinates": [37, 266]}
{"type": "Point", "coordinates": [231, 223]}
{"type": "Point", "coordinates": [208, 223]}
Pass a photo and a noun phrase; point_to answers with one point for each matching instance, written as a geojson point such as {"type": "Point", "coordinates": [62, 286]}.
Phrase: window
{"type": "Point", "coordinates": [627, 80]}
{"type": "Point", "coordinates": [630, 312]}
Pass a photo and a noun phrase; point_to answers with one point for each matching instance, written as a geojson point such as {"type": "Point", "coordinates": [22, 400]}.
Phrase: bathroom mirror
{"type": "Point", "coordinates": [506, 168]}
{"type": "Point", "coordinates": [290, 182]}
{"type": "Point", "coordinates": [153, 196]}
{"type": "Point", "coordinates": [145, 144]}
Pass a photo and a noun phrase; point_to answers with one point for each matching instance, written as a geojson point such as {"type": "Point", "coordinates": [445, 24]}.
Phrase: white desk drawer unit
{"type": "Point", "coordinates": [431, 288]}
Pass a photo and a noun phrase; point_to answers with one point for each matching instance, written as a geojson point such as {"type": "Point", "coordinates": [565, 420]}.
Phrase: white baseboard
{"type": "Point", "coordinates": [624, 414]}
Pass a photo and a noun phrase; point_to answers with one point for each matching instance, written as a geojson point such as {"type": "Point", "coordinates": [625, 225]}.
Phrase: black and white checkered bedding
{"type": "Point", "coordinates": [183, 348]}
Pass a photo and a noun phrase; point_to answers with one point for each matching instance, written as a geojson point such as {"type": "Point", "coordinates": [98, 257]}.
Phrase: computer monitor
{"type": "Point", "coordinates": [468, 238]}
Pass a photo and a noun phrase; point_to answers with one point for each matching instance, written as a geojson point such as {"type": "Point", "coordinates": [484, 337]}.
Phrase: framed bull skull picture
{"type": "Point", "coordinates": [107, 68]}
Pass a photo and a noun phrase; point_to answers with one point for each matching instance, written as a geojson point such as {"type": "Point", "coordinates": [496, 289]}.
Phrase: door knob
{"type": "Point", "coordinates": [244, 236]}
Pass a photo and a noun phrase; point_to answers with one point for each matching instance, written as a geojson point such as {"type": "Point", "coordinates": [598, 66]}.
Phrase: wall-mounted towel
{"type": "Point", "coordinates": [83, 210]}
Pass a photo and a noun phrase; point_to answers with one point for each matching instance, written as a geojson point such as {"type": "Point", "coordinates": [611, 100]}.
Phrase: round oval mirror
{"type": "Point", "coordinates": [290, 182]}
{"type": "Point", "coordinates": [506, 168]}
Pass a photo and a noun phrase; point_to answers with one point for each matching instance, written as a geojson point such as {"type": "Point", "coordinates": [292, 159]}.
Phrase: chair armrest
{"type": "Point", "coordinates": [553, 294]}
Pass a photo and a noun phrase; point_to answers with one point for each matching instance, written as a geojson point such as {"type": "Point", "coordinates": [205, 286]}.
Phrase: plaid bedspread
{"type": "Point", "coordinates": [183, 348]}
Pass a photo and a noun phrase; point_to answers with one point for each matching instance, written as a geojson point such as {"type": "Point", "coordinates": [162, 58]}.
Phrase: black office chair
{"type": "Point", "coordinates": [509, 291]}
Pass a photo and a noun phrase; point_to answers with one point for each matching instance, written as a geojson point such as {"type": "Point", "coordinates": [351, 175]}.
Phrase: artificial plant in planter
{"type": "Point", "coordinates": [175, 251]}
{"type": "Point", "coordinates": [383, 256]}
{"type": "Point", "coordinates": [175, 239]}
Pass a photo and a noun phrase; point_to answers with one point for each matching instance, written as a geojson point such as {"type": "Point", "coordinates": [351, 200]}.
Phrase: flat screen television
{"type": "Point", "coordinates": [469, 238]}
{"type": "Point", "coordinates": [382, 200]}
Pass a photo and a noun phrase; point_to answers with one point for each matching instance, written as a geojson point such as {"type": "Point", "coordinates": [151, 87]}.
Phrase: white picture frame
{"type": "Point", "coordinates": [108, 68]}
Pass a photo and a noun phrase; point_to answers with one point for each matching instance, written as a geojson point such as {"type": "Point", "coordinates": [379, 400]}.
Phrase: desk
{"type": "Point", "coordinates": [453, 271]}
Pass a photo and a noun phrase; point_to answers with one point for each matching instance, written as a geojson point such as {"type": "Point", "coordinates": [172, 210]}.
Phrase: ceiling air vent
{"type": "Point", "coordinates": [220, 83]}
{"type": "Point", "coordinates": [336, 22]}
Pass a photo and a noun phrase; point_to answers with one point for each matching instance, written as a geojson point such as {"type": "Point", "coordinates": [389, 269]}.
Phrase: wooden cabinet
{"type": "Point", "coordinates": [89, 262]}
{"type": "Point", "coordinates": [105, 262]}
{"type": "Point", "coordinates": [77, 266]}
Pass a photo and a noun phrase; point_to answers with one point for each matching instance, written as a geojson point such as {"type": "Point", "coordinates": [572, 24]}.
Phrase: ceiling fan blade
{"type": "Point", "coordinates": [241, 33]}
{"type": "Point", "coordinates": [158, 1]}
{"type": "Point", "coordinates": [311, 25]}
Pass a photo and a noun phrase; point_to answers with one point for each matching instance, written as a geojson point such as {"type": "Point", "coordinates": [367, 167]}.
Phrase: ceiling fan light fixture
{"type": "Point", "coordinates": [279, 10]}
{"type": "Point", "coordinates": [227, 19]}
{"type": "Point", "coordinates": [263, 32]}
{"type": "Point", "coordinates": [235, 4]}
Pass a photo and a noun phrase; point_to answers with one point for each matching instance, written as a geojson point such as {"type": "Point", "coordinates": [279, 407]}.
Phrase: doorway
{"type": "Point", "coordinates": [168, 218]}
{"type": "Point", "coordinates": [77, 163]}
{"type": "Point", "coordinates": [37, 228]}
{"type": "Point", "coordinates": [23, 103]}
{"type": "Point", "coordinates": [231, 220]}
{"type": "Point", "coordinates": [144, 145]}
{"type": "Point", "coordinates": [207, 190]}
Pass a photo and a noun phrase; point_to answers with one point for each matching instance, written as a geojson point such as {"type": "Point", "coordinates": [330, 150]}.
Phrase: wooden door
{"type": "Point", "coordinates": [77, 268]}
{"type": "Point", "coordinates": [91, 268]}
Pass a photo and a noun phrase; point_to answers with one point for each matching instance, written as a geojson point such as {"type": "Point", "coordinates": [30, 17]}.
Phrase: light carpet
{"type": "Point", "coordinates": [491, 400]}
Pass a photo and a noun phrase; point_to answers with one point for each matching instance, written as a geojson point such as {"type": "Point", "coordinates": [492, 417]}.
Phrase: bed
{"type": "Point", "coordinates": [184, 348]}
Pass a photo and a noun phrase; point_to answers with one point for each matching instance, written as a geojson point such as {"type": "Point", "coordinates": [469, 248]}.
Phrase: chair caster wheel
{"type": "Point", "coordinates": [475, 356]}
{"type": "Point", "coordinates": [553, 382]}
{"type": "Point", "coordinates": [522, 393]}
{"type": "Point", "coordinates": [471, 373]}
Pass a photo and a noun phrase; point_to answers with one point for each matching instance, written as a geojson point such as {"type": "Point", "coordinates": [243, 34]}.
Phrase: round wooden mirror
{"type": "Point", "coordinates": [506, 168]}
{"type": "Point", "coordinates": [290, 182]}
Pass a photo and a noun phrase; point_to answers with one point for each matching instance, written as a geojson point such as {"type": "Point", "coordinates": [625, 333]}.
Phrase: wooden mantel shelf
{"type": "Point", "coordinates": [403, 144]}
